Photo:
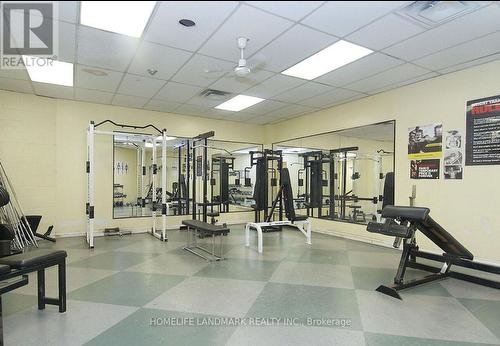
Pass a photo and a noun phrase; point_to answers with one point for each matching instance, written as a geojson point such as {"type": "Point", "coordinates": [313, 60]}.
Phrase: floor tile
{"type": "Point", "coordinates": [302, 302]}
{"type": "Point", "coordinates": [138, 329]}
{"type": "Point", "coordinates": [373, 339]}
{"type": "Point", "coordinates": [151, 246]}
{"type": "Point", "coordinates": [464, 289]}
{"type": "Point", "coordinates": [269, 254]}
{"type": "Point", "coordinates": [75, 278]}
{"type": "Point", "coordinates": [210, 296]}
{"type": "Point", "coordinates": [113, 260]}
{"type": "Point", "coordinates": [421, 316]}
{"type": "Point", "coordinates": [82, 322]}
{"type": "Point", "coordinates": [173, 264]}
{"type": "Point", "coordinates": [126, 288]}
{"type": "Point", "coordinates": [368, 260]}
{"type": "Point", "coordinates": [295, 336]}
{"type": "Point", "coordinates": [240, 270]}
{"type": "Point", "coordinates": [487, 311]}
{"type": "Point", "coordinates": [361, 246]}
{"type": "Point", "coordinates": [313, 274]}
{"type": "Point", "coordinates": [13, 302]}
{"type": "Point", "coordinates": [318, 256]}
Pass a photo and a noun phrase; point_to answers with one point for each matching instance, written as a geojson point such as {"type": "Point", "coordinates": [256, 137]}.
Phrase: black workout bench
{"type": "Point", "coordinates": [196, 227]}
{"type": "Point", "coordinates": [22, 264]}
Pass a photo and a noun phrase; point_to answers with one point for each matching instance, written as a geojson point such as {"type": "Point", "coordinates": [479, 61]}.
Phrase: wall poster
{"type": "Point", "coordinates": [425, 142]}
{"type": "Point", "coordinates": [482, 145]}
{"type": "Point", "coordinates": [453, 155]}
{"type": "Point", "coordinates": [424, 169]}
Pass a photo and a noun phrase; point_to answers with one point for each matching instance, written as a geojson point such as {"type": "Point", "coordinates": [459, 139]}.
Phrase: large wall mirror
{"type": "Point", "coordinates": [132, 184]}
{"type": "Point", "coordinates": [342, 175]}
{"type": "Point", "coordinates": [231, 178]}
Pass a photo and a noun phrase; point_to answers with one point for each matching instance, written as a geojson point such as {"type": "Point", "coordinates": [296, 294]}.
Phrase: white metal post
{"type": "Point", "coordinates": [153, 187]}
{"type": "Point", "coordinates": [164, 207]}
{"type": "Point", "coordinates": [90, 183]}
{"type": "Point", "coordinates": [143, 173]}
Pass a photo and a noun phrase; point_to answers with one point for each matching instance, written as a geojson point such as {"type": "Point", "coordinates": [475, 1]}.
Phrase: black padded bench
{"type": "Point", "coordinates": [196, 227]}
{"type": "Point", "coordinates": [15, 266]}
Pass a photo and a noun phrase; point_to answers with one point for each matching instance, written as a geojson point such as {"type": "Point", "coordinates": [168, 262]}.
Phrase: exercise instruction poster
{"type": "Point", "coordinates": [424, 169]}
{"type": "Point", "coordinates": [425, 142]}
{"type": "Point", "coordinates": [482, 146]}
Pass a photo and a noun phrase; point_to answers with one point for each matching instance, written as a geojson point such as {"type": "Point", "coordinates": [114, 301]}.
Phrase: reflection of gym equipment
{"type": "Point", "coordinates": [89, 163]}
{"type": "Point", "coordinates": [264, 162]}
{"type": "Point", "coordinates": [284, 194]}
{"type": "Point", "coordinates": [403, 222]}
{"type": "Point", "coordinates": [221, 166]}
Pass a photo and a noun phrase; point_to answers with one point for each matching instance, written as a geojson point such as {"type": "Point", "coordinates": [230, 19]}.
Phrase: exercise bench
{"type": "Point", "coordinates": [196, 227]}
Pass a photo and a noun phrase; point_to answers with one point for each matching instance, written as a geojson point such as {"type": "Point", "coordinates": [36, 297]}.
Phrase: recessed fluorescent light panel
{"type": "Point", "coordinates": [49, 71]}
{"type": "Point", "coordinates": [123, 17]}
{"type": "Point", "coordinates": [239, 102]}
{"type": "Point", "coordinates": [337, 55]}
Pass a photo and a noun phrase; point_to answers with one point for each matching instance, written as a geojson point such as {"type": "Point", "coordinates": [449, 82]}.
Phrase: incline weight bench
{"type": "Point", "coordinates": [402, 223]}
{"type": "Point", "coordinates": [300, 222]}
{"type": "Point", "coordinates": [197, 227]}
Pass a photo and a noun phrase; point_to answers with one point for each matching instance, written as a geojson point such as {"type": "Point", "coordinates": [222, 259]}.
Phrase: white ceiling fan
{"type": "Point", "coordinates": [241, 69]}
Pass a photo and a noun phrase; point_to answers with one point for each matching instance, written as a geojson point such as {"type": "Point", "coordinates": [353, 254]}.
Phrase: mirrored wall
{"type": "Point", "coordinates": [132, 183]}
{"type": "Point", "coordinates": [341, 175]}
{"type": "Point", "coordinates": [230, 180]}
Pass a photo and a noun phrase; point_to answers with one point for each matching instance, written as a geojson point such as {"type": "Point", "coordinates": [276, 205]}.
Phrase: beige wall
{"type": "Point", "coordinates": [43, 148]}
{"type": "Point", "coordinates": [468, 208]}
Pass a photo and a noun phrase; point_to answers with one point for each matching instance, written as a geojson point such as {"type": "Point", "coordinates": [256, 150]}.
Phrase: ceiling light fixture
{"type": "Point", "coordinates": [125, 17]}
{"type": "Point", "coordinates": [187, 22]}
{"type": "Point", "coordinates": [337, 55]}
{"type": "Point", "coordinates": [239, 102]}
{"type": "Point", "coordinates": [51, 72]}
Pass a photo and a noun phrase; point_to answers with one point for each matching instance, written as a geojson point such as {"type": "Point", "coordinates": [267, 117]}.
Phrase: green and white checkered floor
{"type": "Point", "coordinates": [125, 290]}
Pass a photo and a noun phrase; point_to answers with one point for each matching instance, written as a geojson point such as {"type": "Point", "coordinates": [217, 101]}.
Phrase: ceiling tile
{"type": "Point", "coordinates": [265, 107]}
{"type": "Point", "coordinates": [206, 102]}
{"type": "Point", "coordinates": [290, 110]}
{"type": "Point", "coordinates": [470, 63]}
{"type": "Point", "coordinates": [193, 110]}
{"type": "Point", "coordinates": [105, 49]}
{"type": "Point", "coordinates": [140, 86]}
{"type": "Point", "coordinates": [66, 11]}
{"type": "Point", "coordinates": [19, 85]}
{"type": "Point", "coordinates": [329, 98]}
{"type": "Point", "coordinates": [165, 27]}
{"type": "Point", "coordinates": [340, 18]}
{"type": "Point", "coordinates": [260, 120]}
{"type": "Point", "coordinates": [177, 92]}
{"type": "Point", "coordinates": [86, 80]}
{"type": "Point", "coordinates": [67, 42]}
{"type": "Point", "coordinates": [384, 32]}
{"type": "Point", "coordinates": [15, 74]}
{"type": "Point", "coordinates": [484, 46]}
{"type": "Point", "coordinates": [299, 43]}
{"type": "Point", "coordinates": [194, 72]}
{"type": "Point", "coordinates": [93, 96]}
{"type": "Point", "coordinates": [294, 10]}
{"type": "Point", "coordinates": [362, 68]}
{"type": "Point", "coordinates": [129, 101]}
{"type": "Point", "coordinates": [406, 82]}
{"type": "Point", "coordinates": [303, 92]}
{"type": "Point", "coordinates": [258, 26]}
{"type": "Point", "coordinates": [232, 83]}
{"type": "Point", "coordinates": [274, 86]}
{"type": "Point", "coordinates": [162, 106]}
{"type": "Point", "coordinates": [55, 91]}
{"type": "Point", "coordinates": [462, 29]}
{"type": "Point", "coordinates": [396, 75]}
{"type": "Point", "coordinates": [165, 60]}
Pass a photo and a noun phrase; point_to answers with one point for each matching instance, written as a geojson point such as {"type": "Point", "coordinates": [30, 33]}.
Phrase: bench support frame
{"type": "Point", "coordinates": [193, 247]}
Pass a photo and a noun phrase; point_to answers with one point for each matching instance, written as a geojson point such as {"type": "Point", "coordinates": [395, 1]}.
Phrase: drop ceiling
{"type": "Point", "coordinates": [281, 33]}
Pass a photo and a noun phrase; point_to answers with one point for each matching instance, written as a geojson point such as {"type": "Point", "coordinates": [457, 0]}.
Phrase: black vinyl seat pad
{"type": "Point", "coordinates": [33, 258]}
{"type": "Point", "coordinates": [206, 227]}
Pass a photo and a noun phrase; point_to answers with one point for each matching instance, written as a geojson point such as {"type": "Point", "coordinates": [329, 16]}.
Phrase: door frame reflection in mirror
{"type": "Point", "coordinates": [337, 170]}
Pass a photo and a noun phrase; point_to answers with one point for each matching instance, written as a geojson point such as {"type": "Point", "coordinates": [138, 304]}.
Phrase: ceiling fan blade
{"type": "Point", "coordinates": [207, 70]}
{"type": "Point", "coordinates": [257, 62]}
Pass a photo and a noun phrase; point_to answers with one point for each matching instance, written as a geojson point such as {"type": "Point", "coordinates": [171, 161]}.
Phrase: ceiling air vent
{"type": "Point", "coordinates": [215, 94]}
{"type": "Point", "coordinates": [434, 13]}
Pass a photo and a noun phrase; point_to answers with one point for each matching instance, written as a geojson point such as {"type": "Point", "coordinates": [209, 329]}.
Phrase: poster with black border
{"type": "Point", "coordinates": [425, 141]}
{"type": "Point", "coordinates": [453, 155]}
{"type": "Point", "coordinates": [424, 169]}
{"type": "Point", "coordinates": [482, 145]}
